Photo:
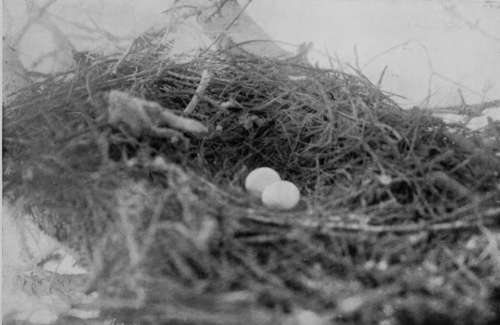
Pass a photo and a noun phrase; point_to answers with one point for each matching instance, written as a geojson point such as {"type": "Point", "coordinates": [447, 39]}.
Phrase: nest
{"type": "Point", "coordinates": [393, 224]}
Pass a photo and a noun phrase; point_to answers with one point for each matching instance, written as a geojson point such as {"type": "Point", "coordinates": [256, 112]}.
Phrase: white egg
{"type": "Point", "coordinates": [259, 178]}
{"type": "Point", "coordinates": [282, 195]}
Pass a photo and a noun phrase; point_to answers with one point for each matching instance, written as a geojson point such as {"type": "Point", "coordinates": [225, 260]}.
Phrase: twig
{"type": "Point", "coordinates": [468, 273]}
{"type": "Point", "coordinates": [222, 34]}
{"type": "Point", "coordinates": [467, 109]}
{"type": "Point", "coordinates": [123, 56]}
{"type": "Point", "coordinates": [129, 233]}
{"type": "Point", "coordinates": [37, 13]}
{"type": "Point", "coordinates": [200, 90]}
{"type": "Point", "coordinates": [142, 116]}
{"type": "Point", "coordinates": [441, 179]}
{"type": "Point", "coordinates": [407, 228]}
{"type": "Point", "coordinates": [404, 228]}
{"type": "Point", "coordinates": [98, 30]}
{"type": "Point", "coordinates": [182, 123]}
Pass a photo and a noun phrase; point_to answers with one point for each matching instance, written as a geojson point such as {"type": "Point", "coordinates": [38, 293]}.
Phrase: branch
{"type": "Point", "coordinates": [200, 90]}
{"type": "Point", "coordinates": [145, 117]}
{"type": "Point", "coordinates": [467, 109]}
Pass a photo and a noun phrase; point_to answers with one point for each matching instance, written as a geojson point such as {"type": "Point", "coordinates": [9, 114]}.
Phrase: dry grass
{"type": "Point", "coordinates": [397, 221]}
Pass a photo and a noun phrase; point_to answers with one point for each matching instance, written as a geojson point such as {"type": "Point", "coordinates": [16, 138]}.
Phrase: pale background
{"type": "Point", "coordinates": [432, 48]}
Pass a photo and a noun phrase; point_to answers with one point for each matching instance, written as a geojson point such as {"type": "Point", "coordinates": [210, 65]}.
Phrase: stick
{"type": "Point", "coordinates": [467, 109]}
{"type": "Point", "coordinates": [482, 218]}
{"type": "Point", "coordinates": [200, 90]}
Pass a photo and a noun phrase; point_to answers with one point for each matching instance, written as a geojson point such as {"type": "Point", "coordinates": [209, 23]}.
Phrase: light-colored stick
{"type": "Point", "coordinates": [146, 117]}
{"type": "Point", "coordinates": [200, 90]}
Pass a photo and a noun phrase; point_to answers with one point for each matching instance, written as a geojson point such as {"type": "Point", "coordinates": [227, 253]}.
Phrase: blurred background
{"type": "Point", "coordinates": [437, 52]}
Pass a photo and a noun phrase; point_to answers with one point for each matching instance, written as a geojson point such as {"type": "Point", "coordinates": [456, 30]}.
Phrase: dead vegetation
{"type": "Point", "coordinates": [397, 223]}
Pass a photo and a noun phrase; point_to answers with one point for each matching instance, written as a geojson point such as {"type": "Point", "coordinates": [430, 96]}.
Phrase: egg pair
{"type": "Point", "coordinates": [266, 183]}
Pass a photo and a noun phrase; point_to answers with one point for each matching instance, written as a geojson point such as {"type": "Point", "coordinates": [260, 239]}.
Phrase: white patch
{"type": "Point", "coordinates": [64, 264]}
{"type": "Point", "coordinates": [43, 316]}
{"type": "Point", "coordinates": [482, 121]}
{"type": "Point", "coordinates": [24, 246]}
{"type": "Point", "coordinates": [83, 314]}
{"type": "Point", "coordinates": [297, 78]}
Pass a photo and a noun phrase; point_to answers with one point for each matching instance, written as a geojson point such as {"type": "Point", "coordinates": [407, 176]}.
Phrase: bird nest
{"type": "Point", "coordinates": [137, 163]}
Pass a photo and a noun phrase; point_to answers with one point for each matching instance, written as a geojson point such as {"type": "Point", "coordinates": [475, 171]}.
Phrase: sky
{"type": "Point", "coordinates": [419, 41]}
{"type": "Point", "coordinates": [433, 49]}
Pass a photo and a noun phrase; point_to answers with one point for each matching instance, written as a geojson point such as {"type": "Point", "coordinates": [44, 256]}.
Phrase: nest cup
{"type": "Point", "coordinates": [182, 238]}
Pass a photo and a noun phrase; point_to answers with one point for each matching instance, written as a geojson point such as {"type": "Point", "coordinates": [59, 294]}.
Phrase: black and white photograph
{"type": "Point", "coordinates": [250, 162]}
